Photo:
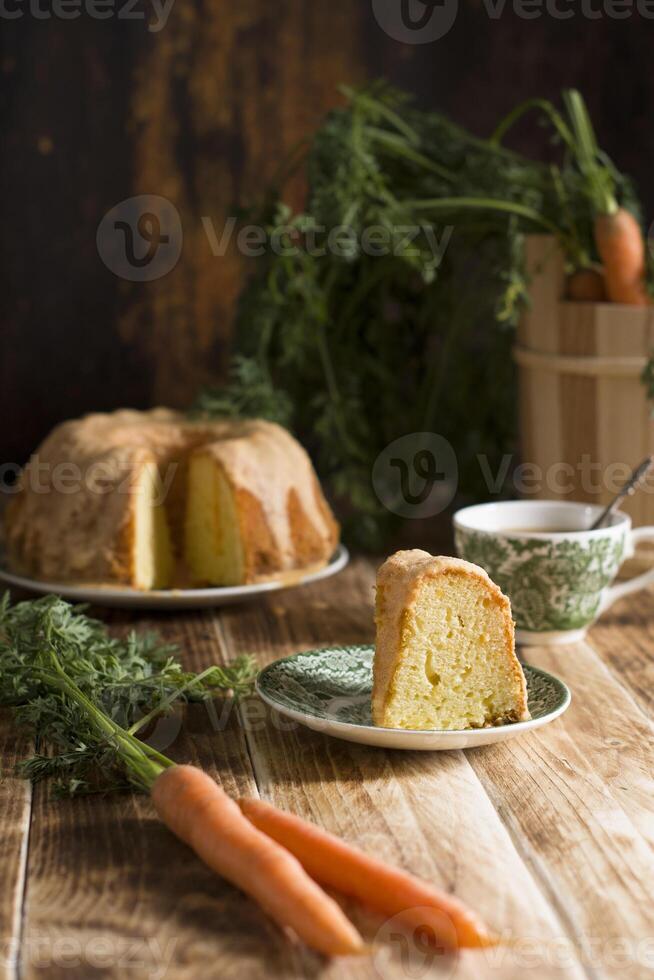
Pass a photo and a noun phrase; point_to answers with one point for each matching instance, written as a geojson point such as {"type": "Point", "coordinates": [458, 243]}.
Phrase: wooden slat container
{"type": "Point", "coordinates": [585, 417]}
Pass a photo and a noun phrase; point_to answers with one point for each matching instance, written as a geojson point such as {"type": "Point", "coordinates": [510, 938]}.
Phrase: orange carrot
{"type": "Point", "coordinates": [621, 248]}
{"type": "Point", "coordinates": [194, 807]}
{"type": "Point", "coordinates": [348, 870]}
{"type": "Point", "coordinates": [618, 238]}
{"type": "Point", "coordinates": [586, 286]}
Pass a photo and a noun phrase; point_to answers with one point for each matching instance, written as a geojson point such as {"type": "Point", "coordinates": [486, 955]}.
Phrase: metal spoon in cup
{"type": "Point", "coordinates": [630, 487]}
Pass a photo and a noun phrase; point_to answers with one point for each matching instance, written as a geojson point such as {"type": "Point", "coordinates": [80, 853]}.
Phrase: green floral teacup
{"type": "Point", "coordinates": [557, 574]}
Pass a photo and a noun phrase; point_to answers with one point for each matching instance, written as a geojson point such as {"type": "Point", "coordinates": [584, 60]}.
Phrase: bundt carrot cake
{"type": "Point", "coordinates": [151, 499]}
{"type": "Point", "coordinates": [445, 654]}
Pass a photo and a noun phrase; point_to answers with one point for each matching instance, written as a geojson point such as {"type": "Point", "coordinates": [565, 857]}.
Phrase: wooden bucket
{"type": "Point", "coordinates": [585, 417]}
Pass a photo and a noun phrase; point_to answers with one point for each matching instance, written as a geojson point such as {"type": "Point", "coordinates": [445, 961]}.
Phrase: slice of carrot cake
{"type": "Point", "coordinates": [445, 651]}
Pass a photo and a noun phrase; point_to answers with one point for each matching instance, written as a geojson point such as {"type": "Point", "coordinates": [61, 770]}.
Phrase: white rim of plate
{"type": "Point", "coordinates": [328, 724]}
{"type": "Point", "coordinates": [96, 593]}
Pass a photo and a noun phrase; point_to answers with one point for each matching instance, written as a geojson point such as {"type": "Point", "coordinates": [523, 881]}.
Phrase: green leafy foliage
{"type": "Point", "coordinates": [131, 680]}
{"type": "Point", "coordinates": [362, 348]}
{"type": "Point", "coordinates": [249, 394]}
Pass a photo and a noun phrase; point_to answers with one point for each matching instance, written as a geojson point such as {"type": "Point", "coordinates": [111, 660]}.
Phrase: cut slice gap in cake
{"type": "Point", "coordinates": [213, 547]}
{"type": "Point", "coordinates": [152, 553]}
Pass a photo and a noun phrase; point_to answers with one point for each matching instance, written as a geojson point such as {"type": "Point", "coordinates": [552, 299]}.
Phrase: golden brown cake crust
{"type": "Point", "coordinates": [398, 580]}
{"type": "Point", "coordinates": [73, 518]}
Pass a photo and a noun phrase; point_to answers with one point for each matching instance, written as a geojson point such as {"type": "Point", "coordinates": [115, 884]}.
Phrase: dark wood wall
{"type": "Point", "coordinates": [95, 111]}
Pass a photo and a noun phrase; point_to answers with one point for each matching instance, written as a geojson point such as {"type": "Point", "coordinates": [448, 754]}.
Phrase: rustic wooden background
{"type": "Point", "coordinates": [95, 111]}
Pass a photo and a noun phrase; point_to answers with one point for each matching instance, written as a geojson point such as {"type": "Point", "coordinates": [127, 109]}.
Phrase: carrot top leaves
{"type": "Point", "coordinates": [417, 291]}
{"type": "Point", "coordinates": [597, 171]}
{"type": "Point", "coordinates": [85, 694]}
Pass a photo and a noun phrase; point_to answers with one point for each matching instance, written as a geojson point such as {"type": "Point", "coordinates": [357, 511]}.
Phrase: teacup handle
{"type": "Point", "coordinates": [639, 581]}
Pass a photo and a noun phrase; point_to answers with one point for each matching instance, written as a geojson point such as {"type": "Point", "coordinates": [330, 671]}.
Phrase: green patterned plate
{"type": "Point", "coordinates": [329, 690]}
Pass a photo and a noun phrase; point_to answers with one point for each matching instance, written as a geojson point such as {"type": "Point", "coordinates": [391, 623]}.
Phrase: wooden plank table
{"type": "Point", "coordinates": [549, 836]}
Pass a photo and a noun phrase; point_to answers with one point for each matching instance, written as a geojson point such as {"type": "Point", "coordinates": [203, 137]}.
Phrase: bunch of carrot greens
{"type": "Point", "coordinates": [352, 348]}
{"type": "Point", "coordinates": [131, 680]}
{"type": "Point", "coordinates": [84, 695]}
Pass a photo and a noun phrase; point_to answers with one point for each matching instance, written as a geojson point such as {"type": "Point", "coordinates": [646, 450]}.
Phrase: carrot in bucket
{"type": "Point", "coordinates": [618, 236]}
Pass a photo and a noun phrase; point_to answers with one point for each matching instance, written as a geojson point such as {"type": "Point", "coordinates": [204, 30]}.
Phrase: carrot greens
{"type": "Point", "coordinates": [71, 680]}
{"type": "Point", "coordinates": [354, 345]}
{"type": "Point", "coordinates": [84, 694]}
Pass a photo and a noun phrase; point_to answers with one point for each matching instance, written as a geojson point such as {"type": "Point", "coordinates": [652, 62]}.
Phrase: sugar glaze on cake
{"type": "Point", "coordinates": [445, 650]}
{"type": "Point", "coordinates": [140, 498]}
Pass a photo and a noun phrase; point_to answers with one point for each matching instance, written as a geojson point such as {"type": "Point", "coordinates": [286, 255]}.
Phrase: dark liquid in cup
{"type": "Point", "coordinates": [553, 529]}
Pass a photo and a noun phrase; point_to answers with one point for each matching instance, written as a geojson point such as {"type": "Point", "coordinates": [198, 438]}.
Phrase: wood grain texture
{"type": "Point", "coordinates": [15, 807]}
{"type": "Point", "coordinates": [201, 113]}
{"type": "Point", "coordinates": [624, 638]}
{"type": "Point", "coordinates": [209, 129]}
{"type": "Point", "coordinates": [95, 111]}
{"type": "Point", "coordinates": [549, 836]}
{"type": "Point", "coordinates": [540, 402]}
{"type": "Point", "coordinates": [578, 805]}
{"type": "Point", "coordinates": [625, 431]}
{"type": "Point", "coordinates": [585, 417]}
{"type": "Point", "coordinates": [577, 410]}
